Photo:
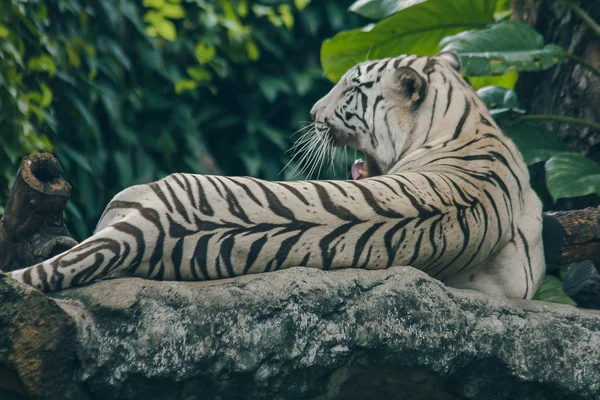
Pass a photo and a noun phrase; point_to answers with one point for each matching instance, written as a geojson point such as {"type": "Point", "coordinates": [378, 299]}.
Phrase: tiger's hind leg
{"type": "Point", "coordinates": [516, 270]}
{"type": "Point", "coordinates": [125, 240]}
{"type": "Point", "coordinates": [102, 254]}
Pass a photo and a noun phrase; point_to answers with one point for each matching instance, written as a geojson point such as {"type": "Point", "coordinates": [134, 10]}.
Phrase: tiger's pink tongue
{"type": "Point", "coordinates": [356, 168]}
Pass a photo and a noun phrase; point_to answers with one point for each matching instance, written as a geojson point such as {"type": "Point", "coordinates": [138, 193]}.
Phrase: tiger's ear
{"type": "Point", "coordinates": [451, 58]}
{"type": "Point", "coordinates": [407, 84]}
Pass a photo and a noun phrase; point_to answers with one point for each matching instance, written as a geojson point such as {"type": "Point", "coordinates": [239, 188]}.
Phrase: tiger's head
{"type": "Point", "coordinates": [386, 107]}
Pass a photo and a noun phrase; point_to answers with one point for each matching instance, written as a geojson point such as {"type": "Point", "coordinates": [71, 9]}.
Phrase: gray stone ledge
{"type": "Point", "coordinates": [309, 334]}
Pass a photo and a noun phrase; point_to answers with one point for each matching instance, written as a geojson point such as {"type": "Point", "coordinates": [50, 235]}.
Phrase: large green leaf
{"type": "Point", "coordinates": [379, 9]}
{"type": "Point", "coordinates": [535, 143]}
{"type": "Point", "coordinates": [502, 48]}
{"type": "Point", "coordinates": [551, 290]}
{"type": "Point", "coordinates": [501, 102]}
{"type": "Point", "coordinates": [496, 97]}
{"type": "Point", "coordinates": [572, 175]}
{"type": "Point", "coordinates": [413, 30]}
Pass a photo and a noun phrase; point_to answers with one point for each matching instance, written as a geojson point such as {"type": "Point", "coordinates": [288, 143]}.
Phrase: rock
{"type": "Point", "coordinates": [582, 284]}
{"type": "Point", "coordinates": [309, 334]}
{"type": "Point", "coordinates": [37, 356]}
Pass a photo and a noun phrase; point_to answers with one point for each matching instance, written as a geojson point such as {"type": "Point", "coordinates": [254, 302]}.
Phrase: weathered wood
{"type": "Point", "coordinates": [572, 236]}
{"type": "Point", "coordinates": [33, 228]}
{"type": "Point", "coordinates": [38, 195]}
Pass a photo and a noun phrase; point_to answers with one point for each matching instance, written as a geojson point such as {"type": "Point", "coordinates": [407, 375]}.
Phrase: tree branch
{"type": "Point", "coordinates": [572, 236]}
{"type": "Point", "coordinates": [32, 229]}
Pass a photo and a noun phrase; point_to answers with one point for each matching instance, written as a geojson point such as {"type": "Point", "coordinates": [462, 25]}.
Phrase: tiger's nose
{"type": "Point", "coordinates": [317, 110]}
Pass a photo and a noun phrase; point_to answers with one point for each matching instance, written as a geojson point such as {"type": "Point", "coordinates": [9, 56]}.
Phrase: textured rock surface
{"type": "Point", "coordinates": [311, 334]}
{"type": "Point", "coordinates": [36, 344]}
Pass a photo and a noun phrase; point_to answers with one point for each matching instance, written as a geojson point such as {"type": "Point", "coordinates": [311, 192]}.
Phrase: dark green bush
{"type": "Point", "coordinates": [220, 88]}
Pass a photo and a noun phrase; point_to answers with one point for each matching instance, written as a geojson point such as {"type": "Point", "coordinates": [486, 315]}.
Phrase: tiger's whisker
{"type": "Point", "coordinates": [304, 161]}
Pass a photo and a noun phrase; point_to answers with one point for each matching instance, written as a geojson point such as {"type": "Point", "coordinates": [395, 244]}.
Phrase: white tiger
{"type": "Point", "coordinates": [442, 190]}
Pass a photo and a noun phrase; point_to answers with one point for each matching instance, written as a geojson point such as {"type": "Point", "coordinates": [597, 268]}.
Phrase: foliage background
{"type": "Point", "coordinates": [125, 92]}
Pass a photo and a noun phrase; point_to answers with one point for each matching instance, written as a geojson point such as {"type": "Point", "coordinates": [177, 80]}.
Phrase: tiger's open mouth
{"type": "Point", "coordinates": [359, 170]}
{"type": "Point", "coordinates": [366, 168]}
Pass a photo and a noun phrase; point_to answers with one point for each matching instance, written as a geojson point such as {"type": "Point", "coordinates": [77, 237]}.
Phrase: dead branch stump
{"type": "Point", "coordinates": [33, 229]}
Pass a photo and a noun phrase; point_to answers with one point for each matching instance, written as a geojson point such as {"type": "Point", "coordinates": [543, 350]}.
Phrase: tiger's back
{"type": "Point", "coordinates": [444, 191]}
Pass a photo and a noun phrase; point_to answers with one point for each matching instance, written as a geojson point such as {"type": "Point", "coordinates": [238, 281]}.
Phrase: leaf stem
{"type": "Point", "coordinates": [583, 63]}
{"type": "Point", "coordinates": [584, 16]}
{"type": "Point", "coordinates": [560, 118]}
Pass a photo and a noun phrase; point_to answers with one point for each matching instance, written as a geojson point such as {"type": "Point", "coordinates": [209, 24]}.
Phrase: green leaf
{"type": "Point", "coordinates": [77, 220]}
{"type": "Point", "coordinates": [502, 9]}
{"type": "Point", "coordinates": [13, 150]}
{"type": "Point", "coordinates": [77, 157]}
{"type": "Point", "coordinates": [43, 63]}
{"type": "Point", "coordinates": [115, 49]}
{"type": "Point", "coordinates": [506, 81]}
{"type": "Point", "coordinates": [124, 168]}
{"type": "Point", "coordinates": [242, 8]}
{"type": "Point", "coordinates": [152, 17]}
{"type": "Point", "coordinates": [4, 31]}
{"type": "Point", "coordinates": [73, 47]}
{"type": "Point", "coordinates": [534, 142]}
{"type": "Point", "coordinates": [34, 142]}
{"type": "Point", "coordinates": [379, 9]}
{"type": "Point", "coordinates": [501, 102]}
{"type": "Point", "coordinates": [285, 12]}
{"type": "Point", "coordinates": [414, 30]}
{"type": "Point", "coordinates": [551, 290]}
{"type": "Point", "coordinates": [275, 136]}
{"type": "Point", "coordinates": [173, 11]}
{"type": "Point", "coordinates": [46, 99]}
{"type": "Point", "coordinates": [504, 47]}
{"type": "Point", "coordinates": [572, 175]}
{"type": "Point", "coordinates": [153, 3]}
{"type": "Point", "coordinates": [252, 163]}
{"type": "Point", "coordinates": [301, 4]}
{"type": "Point", "coordinates": [497, 97]}
{"type": "Point", "coordinates": [185, 84]}
{"type": "Point", "coordinates": [73, 56]}
{"type": "Point", "coordinates": [272, 86]}
{"type": "Point", "coordinates": [204, 52]}
{"type": "Point", "coordinates": [304, 81]}
{"type": "Point", "coordinates": [162, 26]}
{"type": "Point", "coordinates": [200, 74]}
{"type": "Point", "coordinates": [166, 29]}
{"type": "Point", "coordinates": [252, 50]}
{"type": "Point", "coordinates": [151, 31]}
{"type": "Point", "coordinates": [84, 112]}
